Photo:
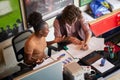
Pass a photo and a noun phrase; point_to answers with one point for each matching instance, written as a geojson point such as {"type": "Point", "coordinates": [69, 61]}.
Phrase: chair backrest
{"type": "Point", "coordinates": [18, 44]}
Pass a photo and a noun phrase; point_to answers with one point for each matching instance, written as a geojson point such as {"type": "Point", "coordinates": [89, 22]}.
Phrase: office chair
{"type": "Point", "coordinates": [18, 42]}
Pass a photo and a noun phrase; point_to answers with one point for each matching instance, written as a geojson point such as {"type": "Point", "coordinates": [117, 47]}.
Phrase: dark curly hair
{"type": "Point", "coordinates": [70, 13]}
{"type": "Point", "coordinates": [35, 20]}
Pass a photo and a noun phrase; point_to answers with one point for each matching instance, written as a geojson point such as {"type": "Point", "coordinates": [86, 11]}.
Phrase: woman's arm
{"type": "Point", "coordinates": [28, 53]}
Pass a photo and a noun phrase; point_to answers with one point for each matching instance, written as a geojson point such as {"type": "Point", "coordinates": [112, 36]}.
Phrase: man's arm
{"type": "Point", "coordinates": [56, 40]}
{"type": "Point", "coordinates": [87, 32]}
{"type": "Point", "coordinates": [86, 29]}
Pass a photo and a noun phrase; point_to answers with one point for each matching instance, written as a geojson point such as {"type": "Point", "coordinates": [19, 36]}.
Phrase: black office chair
{"type": "Point", "coordinates": [18, 46]}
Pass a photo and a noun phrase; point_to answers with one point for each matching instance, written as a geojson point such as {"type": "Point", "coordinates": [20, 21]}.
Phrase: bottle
{"type": "Point", "coordinates": [102, 62]}
{"type": "Point", "coordinates": [111, 55]}
{"type": "Point", "coordinates": [112, 52]}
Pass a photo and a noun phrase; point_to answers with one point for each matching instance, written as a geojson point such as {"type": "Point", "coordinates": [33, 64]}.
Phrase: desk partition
{"type": "Point", "coordinates": [52, 71]}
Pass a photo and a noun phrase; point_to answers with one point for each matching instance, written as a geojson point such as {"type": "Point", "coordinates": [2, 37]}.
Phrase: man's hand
{"type": "Point", "coordinates": [59, 39]}
{"type": "Point", "coordinates": [84, 47]}
{"type": "Point", "coordinates": [74, 40]}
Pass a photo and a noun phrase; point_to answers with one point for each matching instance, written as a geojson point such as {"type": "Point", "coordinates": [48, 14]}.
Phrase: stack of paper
{"type": "Point", "coordinates": [94, 45]}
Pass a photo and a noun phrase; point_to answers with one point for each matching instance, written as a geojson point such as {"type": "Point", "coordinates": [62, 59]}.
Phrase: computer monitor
{"type": "Point", "coordinates": [53, 71]}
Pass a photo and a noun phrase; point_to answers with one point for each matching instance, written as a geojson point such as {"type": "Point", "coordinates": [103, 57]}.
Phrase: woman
{"type": "Point", "coordinates": [36, 43]}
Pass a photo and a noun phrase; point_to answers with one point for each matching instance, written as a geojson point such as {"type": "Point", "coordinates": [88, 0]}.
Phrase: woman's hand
{"type": "Point", "coordinates": [40, 61]}
{"type": "Point", "coordinates": [40, 58]}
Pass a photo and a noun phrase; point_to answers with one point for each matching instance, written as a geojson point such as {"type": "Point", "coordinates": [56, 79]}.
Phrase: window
{"type": "Point", "coordinates": [10, 19]}
{"type": "Point", "coordinates": [48, 8]}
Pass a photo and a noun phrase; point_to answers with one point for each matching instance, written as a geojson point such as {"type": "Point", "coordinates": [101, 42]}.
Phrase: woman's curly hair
{"type": "Point", "coordinates": [36, 21]}
{"type": "Point", "coordinates": [34, 18]}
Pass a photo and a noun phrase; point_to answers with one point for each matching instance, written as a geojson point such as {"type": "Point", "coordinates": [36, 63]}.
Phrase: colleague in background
{"type": "Point", "coordinates": [71, 27]}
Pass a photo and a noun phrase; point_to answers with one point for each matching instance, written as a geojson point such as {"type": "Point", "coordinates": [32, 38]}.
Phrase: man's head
{"type": "Point", "coordinates": [71, 13]}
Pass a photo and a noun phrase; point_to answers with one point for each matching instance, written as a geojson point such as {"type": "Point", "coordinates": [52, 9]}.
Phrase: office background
{"type": "Point", "coordinates": [7, 57]}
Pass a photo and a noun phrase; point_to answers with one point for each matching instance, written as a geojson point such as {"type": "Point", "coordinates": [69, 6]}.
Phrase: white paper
{"type": "Point", "coordinates": [94, 45]}
{"type": "Point", "coordinates": [64, 59]}
{"type": "Point", "coordinates": [104, 68]}
{"type": "Point", "coordinates": [47, 61]}
{"type": "Point", "coordinates": [75, 51]}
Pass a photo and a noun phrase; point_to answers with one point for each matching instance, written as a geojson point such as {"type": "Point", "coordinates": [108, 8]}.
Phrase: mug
{"type": "Point", "coordinates": [92, 72]}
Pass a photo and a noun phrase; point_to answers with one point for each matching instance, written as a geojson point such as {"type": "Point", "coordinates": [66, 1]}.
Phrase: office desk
{"type": "Point", "coordinates": [72, 52]}
{"type": "Point", "coordinates": [94, 60]}
{"type": "Point", "coordinates": [96, 44]}
{"type": "Point", "coordinates": [50, 69]}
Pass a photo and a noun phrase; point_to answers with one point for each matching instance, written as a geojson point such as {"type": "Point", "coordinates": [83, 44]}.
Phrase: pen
{"type": "Point", "coordinates": [62, 55]}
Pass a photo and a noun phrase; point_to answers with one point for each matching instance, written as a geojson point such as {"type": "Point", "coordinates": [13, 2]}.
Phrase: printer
{"type": "Point", "coordinates": [74, 71]}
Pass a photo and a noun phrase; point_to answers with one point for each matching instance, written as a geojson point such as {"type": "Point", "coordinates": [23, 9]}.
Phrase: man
{"type": "Point", "coordinates": [71, 26]}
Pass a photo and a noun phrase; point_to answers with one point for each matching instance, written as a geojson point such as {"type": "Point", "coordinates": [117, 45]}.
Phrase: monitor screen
{"type": "Point", "coordinates": [53, 71]}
